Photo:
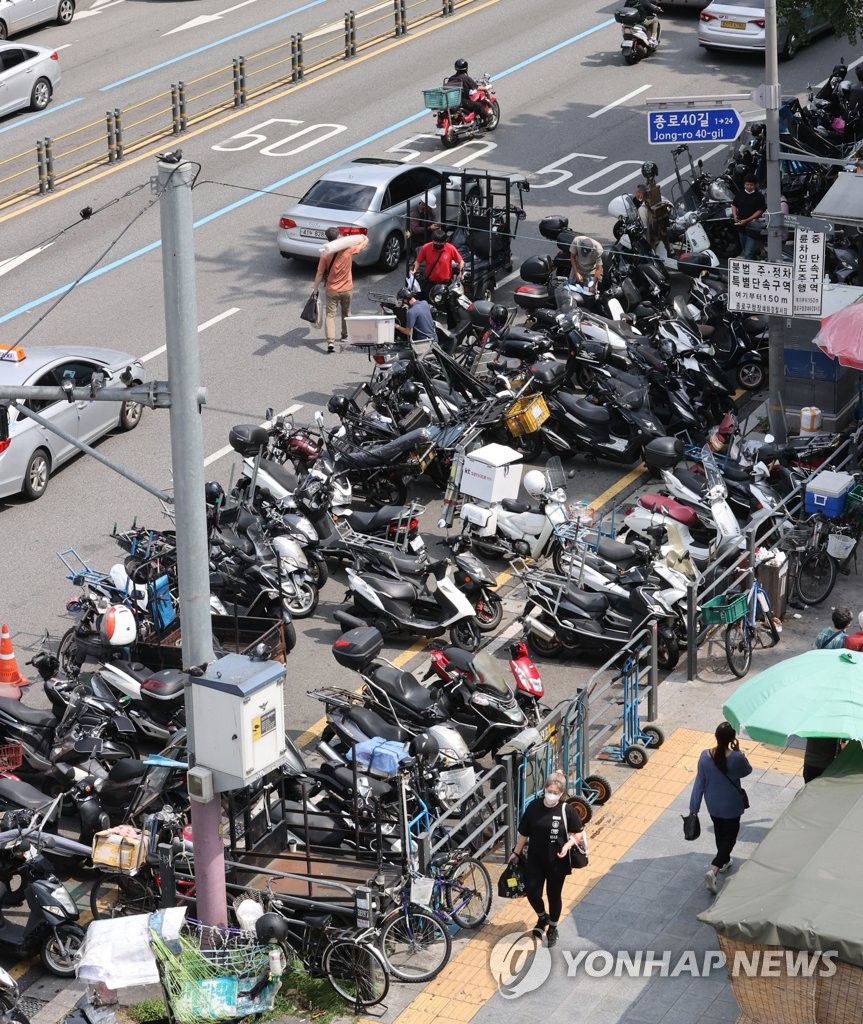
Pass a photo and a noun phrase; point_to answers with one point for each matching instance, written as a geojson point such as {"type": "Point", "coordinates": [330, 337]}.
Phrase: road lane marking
{"type": "Point", "coordinates": [222, 452]}
{"type": "Point", "coordinates": [623, 99]}
{"type": "Point", "coordinates": [201, 327]}
{"type": "Point", "coordinates": [16, 261]}
{"type": "Point", "coordinates": [97, 10]}
{"type": "Point", "coordinates": [339, 26]}
{"type": "Point", "coordinates": [48, 110]}
{"type": "Point", "coordinates": [205, 19]}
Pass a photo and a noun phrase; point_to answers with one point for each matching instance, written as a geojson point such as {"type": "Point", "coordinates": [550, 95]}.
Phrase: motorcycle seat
{"type": "Point", "coordinates": [593, 604]}
{"type": "Point", "coordinates": [512, 505]}
{"type": "Point", "coordinates": [732, 471]}
{"type": "Point", "coordinates": [585, 410]}
{"type": "Point", "coordinates": [623, 555]}
{"type": "Point", "coordinates": [673, 509]}
{"type": "Point", "coordinates": [283, 474]}
{"type": "Point", "coordinates": [382, 454]}
{"type": "Point", "coordinates": [397, 590]}
{"type": "Point", "coordinates": [403, 686]}
{"type": "Point", "coordinates": [163, 685]}
{"type": "Point", "coordinates": [29, 716]}
{"type": "Point", "coordinates": [692, 481]}
{"type": "Point", "coordinates": [368, 522]}
{"type": "Point", "coordinates": [371, 723]}
{"type": "Point", "coordinates": [126, 770]}
{"type": "Point", "coordinates": [22, 794]}
{"type": "Point", "coordinates": [345, 778]}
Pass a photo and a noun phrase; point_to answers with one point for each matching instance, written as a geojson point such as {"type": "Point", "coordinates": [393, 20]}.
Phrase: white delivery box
{"type": "Point", "coordinates": [491, 473]}
{"type": "Point", "coordinates": [371, 330]}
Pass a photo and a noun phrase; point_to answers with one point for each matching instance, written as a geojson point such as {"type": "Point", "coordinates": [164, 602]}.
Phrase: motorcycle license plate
{"type": "Point", "coordinates": [733, 24]}
{"type": "Point", "coordinates": [440, 131]}
{"type": "Point", "coordinates": [417, 544]}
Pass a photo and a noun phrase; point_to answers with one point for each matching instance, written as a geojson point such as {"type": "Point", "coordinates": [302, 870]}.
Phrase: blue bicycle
{"type": "Point", "coordinates": [748, 620]}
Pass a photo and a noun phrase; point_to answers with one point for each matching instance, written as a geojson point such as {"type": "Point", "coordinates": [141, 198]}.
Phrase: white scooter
{"type": "Point", "coordinates": [695, 240]}
{"type": "Point", "coordinates": [636, 43]}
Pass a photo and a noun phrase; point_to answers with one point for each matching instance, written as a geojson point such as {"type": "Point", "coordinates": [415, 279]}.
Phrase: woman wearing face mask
{"type": "Point", "coordinates": [548, 829]}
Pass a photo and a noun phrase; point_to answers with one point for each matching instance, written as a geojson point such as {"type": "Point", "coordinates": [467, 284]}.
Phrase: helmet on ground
{"type": "Point", "coordinates": [425, 746]}
{"type": "Point", "coordinates": [271, 927]}
{"type": "Point", "coordinates": [498, 316]}
{"type": "Point", "coordinates": [649, 169]}
{"type": "Point", "coordinates": [403, 294]}
{"type": "Point", "coordinates": [214, 493]}
{"type": "Point", "coordinates": [461, 65]}
{"type": "Point", "coordinates": [534, 482]}
{"type": "Point", "coordinates": [338, 405]}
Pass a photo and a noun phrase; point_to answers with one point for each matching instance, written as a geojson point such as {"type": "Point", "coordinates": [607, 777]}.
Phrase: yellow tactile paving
{"type": "Point", "coordinates": [465, 984]}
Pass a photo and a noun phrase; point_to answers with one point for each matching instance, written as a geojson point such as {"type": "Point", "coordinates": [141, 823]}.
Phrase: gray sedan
{"type": "Point", "coordinates": [31, 452]}
{"type": "Point", "coordinates": [18, 15]}
{"type": "Point", "coordinates": [28, 76]}
{"type": "Point", "coordinates": [739, 25]}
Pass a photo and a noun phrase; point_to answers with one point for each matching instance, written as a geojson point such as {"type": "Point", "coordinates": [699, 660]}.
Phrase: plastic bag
{"type": "Point", "coordinates": [511, 885]}
{"type": "Point", "coordinates": [691, 827]}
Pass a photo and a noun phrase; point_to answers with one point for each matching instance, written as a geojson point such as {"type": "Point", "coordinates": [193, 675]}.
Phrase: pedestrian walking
{"type": "Point", "coordinates": [549, 829]}
{"type": "Point", "coordinates": [821, 752]}
{"type": "Point", "coordinates": [717, 783]}
{"type": "Point", "coordinates": [335, 269]}
{"type": "Point", "coordinates": [832, 639]}
{"type": "Point", "coordinates": [746, 207]}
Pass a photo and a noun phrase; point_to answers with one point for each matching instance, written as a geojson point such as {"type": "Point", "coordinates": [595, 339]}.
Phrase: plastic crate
{"type": "Point", "coordinates": [526, 415]}
{"type": "Point", "coordinates": [442, 98]}
{"type": "Point", "coordinates": [11, 756]}
{"type": "Point", "coordinates": [854, 503]}
{"type": "Point", "coordinates": [723, 610]}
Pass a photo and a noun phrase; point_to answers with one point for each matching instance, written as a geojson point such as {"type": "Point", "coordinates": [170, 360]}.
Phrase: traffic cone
{"type": "Point", "coordinates": [9, 673]}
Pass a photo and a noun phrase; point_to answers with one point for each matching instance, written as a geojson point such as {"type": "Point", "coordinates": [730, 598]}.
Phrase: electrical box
{"type": "Point", "coordinates": [491, 473]}
{"type": "Point", "coordinates": [199, 782]}
{"type": "Point", "coordinates": [238, 720]}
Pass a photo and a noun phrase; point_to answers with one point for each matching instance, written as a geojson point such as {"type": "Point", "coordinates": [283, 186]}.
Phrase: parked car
{"type": "Point", "coordinates": [28, 77]}
{"type": "Point", "coordinates": [367, 195]}
{"type": "Point", "coordinates": [31, 452]}
{"type": "Point", "coordinates": [16, 15]}
{"type": "Point", "coordinates": [740, 26]}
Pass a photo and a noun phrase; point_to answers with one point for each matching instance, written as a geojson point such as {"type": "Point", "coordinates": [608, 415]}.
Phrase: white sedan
{"type": "Point", "coordinates": [28, 76]}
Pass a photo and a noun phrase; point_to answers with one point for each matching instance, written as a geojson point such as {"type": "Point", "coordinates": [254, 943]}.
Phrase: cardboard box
{"type": "Point", "coordinates": [122, 848]}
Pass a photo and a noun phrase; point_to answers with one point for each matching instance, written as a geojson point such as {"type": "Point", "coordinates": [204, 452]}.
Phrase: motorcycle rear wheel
{"type": "Point", "coordinates": [450, 139]}
{"type": "Point", "coordinates": [632, 57]}
{"type": "Point", "coordinates": [544, 648]}
{"type": "Point", "coordinates": [466, 635]}
{"type": "Point", "coordinates": [380, 490]}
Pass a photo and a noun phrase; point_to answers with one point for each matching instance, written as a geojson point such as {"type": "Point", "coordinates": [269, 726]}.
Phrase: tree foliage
{"type": "Point", "coordinates": [846, 16]}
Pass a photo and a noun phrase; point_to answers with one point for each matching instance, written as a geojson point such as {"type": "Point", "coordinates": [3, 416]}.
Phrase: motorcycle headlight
{"type": "Point", "coordinates": [481, 699]}
{"type": "Point", "coordinates": [64, 902]}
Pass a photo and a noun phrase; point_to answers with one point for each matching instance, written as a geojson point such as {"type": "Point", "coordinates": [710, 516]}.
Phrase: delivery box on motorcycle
{"type": "Point", "coordinates": [551, 227]}
{"type": "Point", "coordinates": [536, 269]}
{"type": "Point", "coordinates": [247, 438]}
{"type": "Point", "coordinates": [663, 452]}
{"type": "Point", "coordinates": [357, 647]}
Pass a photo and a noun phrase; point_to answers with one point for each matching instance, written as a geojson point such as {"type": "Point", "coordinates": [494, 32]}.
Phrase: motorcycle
{"type": "Point", "coordinates": [453, 124]}
{"type": "Point", "coordinates": [636, 44]}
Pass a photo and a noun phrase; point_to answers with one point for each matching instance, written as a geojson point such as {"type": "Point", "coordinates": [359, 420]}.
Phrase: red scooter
{"type": "Point", "coordinates": [453, 124]}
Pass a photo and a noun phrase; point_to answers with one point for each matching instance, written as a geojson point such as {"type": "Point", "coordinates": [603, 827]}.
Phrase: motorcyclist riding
{"type": "Point", "coordinates": [468, 85]}
{"type": "Point", "coordinates": [649, 11]}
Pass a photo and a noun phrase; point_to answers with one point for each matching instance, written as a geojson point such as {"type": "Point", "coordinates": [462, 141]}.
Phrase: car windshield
{"type": "Point", "coordinates": [339, 195]}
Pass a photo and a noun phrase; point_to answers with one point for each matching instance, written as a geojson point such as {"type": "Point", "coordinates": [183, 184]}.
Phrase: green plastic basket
{"type": "Point", "coordinates": [724, 609]}
{"type": "Point", "coordinates": [443, 98]}
{"type": "Point", "coordinates": [854, 503]}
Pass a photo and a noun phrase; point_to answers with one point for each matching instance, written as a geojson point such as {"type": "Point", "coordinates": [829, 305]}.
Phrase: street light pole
{"type": "Point", "coordinates": [776, 353]}
{"type": "Point", "coordinates": [174, 184]}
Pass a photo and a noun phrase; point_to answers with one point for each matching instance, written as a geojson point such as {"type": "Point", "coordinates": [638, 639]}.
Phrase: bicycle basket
{"type": "Point", "coordinates": [526, 415]}
{"type": "Point", "coordinates": [724, 609]}
{"type": "Point", "coordinates": [840, 546]}
{"type": "Point", "coordinates": [442, 98]}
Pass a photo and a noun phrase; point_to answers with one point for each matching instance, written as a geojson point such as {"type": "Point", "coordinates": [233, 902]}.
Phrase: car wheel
{"type": "Point", "coordinates": [4, 32]}
{"type": "Point", "coordinates": [391, 253]}
{"type": "Point", "coordinates": [792, 45]}
{"type": "Point", "coordinates": [41, 94]}
{"type": "Point", "coordinates": [130, 415]}
{"type": "Point", "coordinates": [65, 12]}
{"type": "Point", "coordinates": [36, 475]}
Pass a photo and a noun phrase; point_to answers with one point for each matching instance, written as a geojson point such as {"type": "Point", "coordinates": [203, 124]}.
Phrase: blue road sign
{"type": "Point", "coordinates": [672, 127]}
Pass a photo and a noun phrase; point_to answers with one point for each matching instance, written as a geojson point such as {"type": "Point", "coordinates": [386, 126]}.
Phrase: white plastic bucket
{"type": "Point", "coordinates": [810, 419]}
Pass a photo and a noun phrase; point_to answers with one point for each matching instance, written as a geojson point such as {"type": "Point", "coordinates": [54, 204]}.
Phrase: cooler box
{"type": "Point", "coordinates": [827, 492]}
{"type": "Point", "coordinates": [490, 474]}
{"type": "Point", "coordinates": [371, 330]}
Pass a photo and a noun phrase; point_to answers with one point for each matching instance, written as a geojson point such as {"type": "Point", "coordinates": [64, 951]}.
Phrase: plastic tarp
{"type": "Point", "coordinates": [117, 951]}
{"type": "Point", "coordinates": [801, 888]}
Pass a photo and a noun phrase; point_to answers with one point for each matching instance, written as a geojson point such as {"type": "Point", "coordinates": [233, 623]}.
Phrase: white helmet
{"type": "Point", "coordinates": [623, 206]}
{"type": "Point", "coordinates": [118, 626]}
{"type": "Point", "coordinates": [534, 483]}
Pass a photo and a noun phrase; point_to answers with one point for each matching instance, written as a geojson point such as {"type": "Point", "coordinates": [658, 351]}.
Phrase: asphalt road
{"type": "Point", "coordinates": [572, 118]}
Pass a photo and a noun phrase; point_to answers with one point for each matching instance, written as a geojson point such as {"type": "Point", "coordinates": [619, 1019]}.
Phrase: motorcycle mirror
{"type": "Point", "coordinates": [268, 415]}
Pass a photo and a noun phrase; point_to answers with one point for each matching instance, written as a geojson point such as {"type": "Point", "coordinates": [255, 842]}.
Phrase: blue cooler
{"type": "Point", "coordinates": [827, 492]}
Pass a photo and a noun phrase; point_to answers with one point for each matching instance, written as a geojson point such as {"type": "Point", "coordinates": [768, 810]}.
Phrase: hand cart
{"type": "Point", "coordinates": [635, 742]}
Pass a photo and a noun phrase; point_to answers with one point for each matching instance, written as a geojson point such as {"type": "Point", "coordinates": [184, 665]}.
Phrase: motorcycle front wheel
{"type": "Point", "coordinates": [466, 635]}
{"type": "Point", "coordinates": [303, 602]}
{"type": "Point", "coordinates": [70, 654]}
{"type": "Point", "coordinates": [493, 119]}
{"type": "Point", "coordinates": [61, 950]}
{"type": "Point", "coordinates": [489, 611]}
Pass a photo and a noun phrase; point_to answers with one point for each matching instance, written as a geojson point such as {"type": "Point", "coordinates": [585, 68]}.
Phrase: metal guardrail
{"type": "Point", "coordinates": [56, 160]}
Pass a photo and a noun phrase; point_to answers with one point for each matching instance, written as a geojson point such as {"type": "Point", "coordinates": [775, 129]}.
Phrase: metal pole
{"type": "Point", "coordinates": [49, 162]}
{"type": "Point", "coordinates": [175, 111]}
{"type": "Point", "coordinates": [294, 58]}
{"type": "Point", "coordinates": [353, 32]}
{"type": "Point", "coordinates": [772, 98]}
{"type": "Point", "coordinates": [181, 92]}
{"type": "Point", "coordinates": [691, 634]}
{"type": "Point", "coordinates": [300, 60]}
{"type": "Point", "coordinates": [118, 127]}
{"type": "Point", "coordinates": [347, 35]}
{"type": "Point", "coordinates": [242, 65]}
{"type": "Point", "coordinates": [653, 692]}
{"type": "Point", "coordinates": [187, 461]}
{"type": "Point", "coordinates": [40, 164]}
{"type": "Point", "coordinates": [112, 136]}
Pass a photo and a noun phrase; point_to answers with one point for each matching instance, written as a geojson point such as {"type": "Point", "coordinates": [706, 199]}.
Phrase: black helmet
{"type": "Point", "coordinates": [338, 405]}
{"type": "Point", "coordinates": [425, 746]}
{"type": "Point", "coordinates": [409, 391]}
{"type": "Point", "coordinates": [461, 65]}
{"type": "Point", "coordinates": [214, 493]}
{"type": "Point", "coordinates": [438, 294]}
{"type": "Point", "coordinates": [403, 294]}
{"type": "Point", "coordinates": [498, 316]}
{"type": "Point", "coordinates": [271, 927]}
{"type": "Point", "coordinates": [649, 169]}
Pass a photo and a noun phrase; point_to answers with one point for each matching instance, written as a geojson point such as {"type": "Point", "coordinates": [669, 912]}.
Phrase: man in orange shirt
{"type": "Point", "coordinates": [437, 258]}
{"type": "Point", "coordinates": [336, 270]}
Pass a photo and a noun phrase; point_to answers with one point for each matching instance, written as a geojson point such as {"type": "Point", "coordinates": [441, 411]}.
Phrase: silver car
{"type": "Point", "coordinates": [17, 15]}
{"type": "Point", "coordinates": [369, 196]}
{"type": "Point", "coordinates": [28, 76]}
{"type": "Point", "coordinates": [30, 452]}
{"type": "Point", "coordinates": [739, 25]}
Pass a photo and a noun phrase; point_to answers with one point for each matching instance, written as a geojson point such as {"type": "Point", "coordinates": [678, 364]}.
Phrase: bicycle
{"type": "Point", "coordinates": [742, 614]}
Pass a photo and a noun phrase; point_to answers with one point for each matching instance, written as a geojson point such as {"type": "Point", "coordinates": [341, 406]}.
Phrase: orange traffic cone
{"type": "Point", "coordinates": [9, 673]}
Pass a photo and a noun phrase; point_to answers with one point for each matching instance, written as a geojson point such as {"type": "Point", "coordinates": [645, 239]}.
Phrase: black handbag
{"type": "Point", "coordinates": [310, 310]}
{"type": "Point", "coordinates": [691, 827]}
{"type": "Point", "coordinates": [577, 855]}
{"type": "Point", "coordinates": [511, 885]}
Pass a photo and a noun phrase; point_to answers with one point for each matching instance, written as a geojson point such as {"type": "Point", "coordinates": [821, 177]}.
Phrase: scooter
{"type": "Point", "coordinates": [424, 609]}
{"type": "Point", "coordinates": [636, 44]}
{"type": "Point", "coordinates": [153, 701]}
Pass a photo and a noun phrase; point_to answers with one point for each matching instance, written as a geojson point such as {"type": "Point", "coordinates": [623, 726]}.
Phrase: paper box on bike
{"type": "Point", "coordinates": [491, 473]}
{"type": "Point", "coordinates": [247, 438]}
{"type": "Point", "coordinates": [357, 647]}
{"type": "Point", "coordinates": [122, 848]}
{"type": "Point", "coordinates": [663, 452]}
{"type": "Point", "coordinates": [826, 493]}
{"type": "Point", "coordinates": [371, 330]}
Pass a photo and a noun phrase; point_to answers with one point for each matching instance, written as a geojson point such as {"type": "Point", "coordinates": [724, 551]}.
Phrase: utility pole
{"type": "Point", "coordinates": [776, 353]}
{"type": "Point", "coordinates": [174, 184]}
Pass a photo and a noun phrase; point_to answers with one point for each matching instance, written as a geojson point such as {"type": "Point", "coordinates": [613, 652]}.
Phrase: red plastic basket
{"type": "Point", "coordinates": [11, 756]}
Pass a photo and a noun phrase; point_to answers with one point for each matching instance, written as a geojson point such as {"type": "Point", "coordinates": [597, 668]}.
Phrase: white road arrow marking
{"type": "Point", "coordinates": [205, 19]}
{"type": "Point", "coordinates": [16, 261]}
{"type": "Point", "coordinates": [97, 9]}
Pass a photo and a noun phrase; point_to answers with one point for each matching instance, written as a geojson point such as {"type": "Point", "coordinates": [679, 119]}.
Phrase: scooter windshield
{"type": "Point", "coordinates": [488, 675]}
{"type": "Point", "coordinates": [716, 488]}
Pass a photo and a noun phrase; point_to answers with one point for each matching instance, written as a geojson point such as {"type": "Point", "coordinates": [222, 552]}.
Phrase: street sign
{"type": "Point", "coordinates": [808, 272]}
{"type": "Point", "coordinates": [756, 287]}
{"type": "Point", "coordinates": [672, 127]}
{"type": "Point", "coordinates": [792, 220]}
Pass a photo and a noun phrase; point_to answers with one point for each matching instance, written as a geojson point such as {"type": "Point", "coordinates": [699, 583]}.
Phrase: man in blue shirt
{"type": "Point", "coordinates": [420, 325]}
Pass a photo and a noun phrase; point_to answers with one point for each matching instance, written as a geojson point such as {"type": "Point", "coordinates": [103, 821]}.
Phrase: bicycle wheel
{"type": "Point", "coordinates": [415, 945]}
{"type": "Point", "coordinates": [816, 577]}
{"type": "Point", "coordinates": [357, 972]}
{"type": "Point", "coordinates": [467, 888]}
{"type": "Point", "coordinates": [738, 647]}
{"type": "Point", "coordinates": [119, 895]}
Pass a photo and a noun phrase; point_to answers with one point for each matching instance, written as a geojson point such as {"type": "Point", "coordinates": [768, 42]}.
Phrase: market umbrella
{"type": "Point", "coordinates": [819, 693]}
{"type": "Point", "coordinates": [841, 335]}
